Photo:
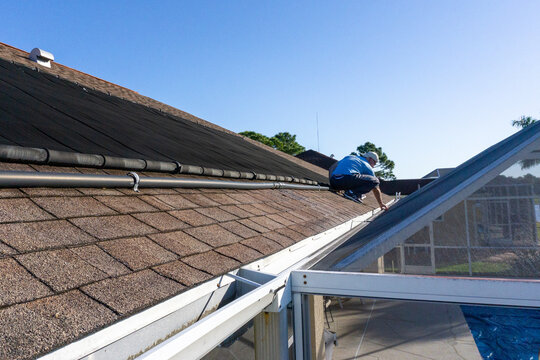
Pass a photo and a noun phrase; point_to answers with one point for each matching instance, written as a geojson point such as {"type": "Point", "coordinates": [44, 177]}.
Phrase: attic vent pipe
{"type": "Point", "coordinates": [42, 57]}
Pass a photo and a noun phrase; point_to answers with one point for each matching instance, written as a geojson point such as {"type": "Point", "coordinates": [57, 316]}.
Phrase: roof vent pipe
{"type": "Point", "coordinates": [42, 57]}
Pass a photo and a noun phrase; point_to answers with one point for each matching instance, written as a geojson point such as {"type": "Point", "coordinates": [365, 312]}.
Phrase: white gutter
{"type": "Point", "coordinates": [140, 332]}
{"type": "Point", "coordinates": [200, 338]}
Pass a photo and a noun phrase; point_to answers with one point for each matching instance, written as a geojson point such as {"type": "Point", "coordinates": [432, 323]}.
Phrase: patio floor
{"type": "Point", "coordinates": [380, 329]}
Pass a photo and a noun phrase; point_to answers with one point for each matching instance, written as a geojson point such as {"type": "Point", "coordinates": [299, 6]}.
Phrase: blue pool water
{"type": "Point", "coordinates": [504, 333]}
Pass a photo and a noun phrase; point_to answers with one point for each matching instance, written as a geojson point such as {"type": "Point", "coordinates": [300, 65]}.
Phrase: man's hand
{"type": "Point", "coordinates": [377, 194]}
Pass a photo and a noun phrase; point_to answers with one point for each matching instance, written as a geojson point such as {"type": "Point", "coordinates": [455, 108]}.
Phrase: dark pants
{"type": "Point", "coordinates": [358, 184]}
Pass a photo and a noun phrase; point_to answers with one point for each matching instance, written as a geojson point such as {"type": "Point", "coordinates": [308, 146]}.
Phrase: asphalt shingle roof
{"type": "Point", "coordinates": [73, 261]}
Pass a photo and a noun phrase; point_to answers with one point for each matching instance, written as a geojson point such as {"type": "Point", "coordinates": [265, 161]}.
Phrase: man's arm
{"type": "Point", "coordinates": [377, 194]}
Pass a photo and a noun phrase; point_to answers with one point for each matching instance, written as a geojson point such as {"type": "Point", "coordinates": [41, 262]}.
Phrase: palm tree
{"type": "Point", "coordinates": [524, 121]}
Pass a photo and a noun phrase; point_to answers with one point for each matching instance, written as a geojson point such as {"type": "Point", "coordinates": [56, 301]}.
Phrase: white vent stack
{"type": "Point", "coordinates": [42, 57]}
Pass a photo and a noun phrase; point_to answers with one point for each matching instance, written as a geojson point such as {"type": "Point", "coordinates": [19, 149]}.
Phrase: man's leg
{"type": "Point", "coordinates": [342, 182]}
{"type": "Point", "coordinates": [364, 184]}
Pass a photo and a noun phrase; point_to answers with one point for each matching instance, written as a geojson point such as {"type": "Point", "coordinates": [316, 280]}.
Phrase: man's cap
{"type": "Point", "coordinates": [372, 155]}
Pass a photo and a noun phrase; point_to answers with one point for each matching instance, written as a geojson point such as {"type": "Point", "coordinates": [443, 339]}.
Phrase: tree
{"type": "Point", "coordinates": [523, 122]}
{"type": "Point", "coordinates": [258, 137]}
{"type": "Point", "coordinates": [282, 141]}
{"type": "Point", "coordinates": [287, 143]}
{"type": "Point", "coordinates": [385, 167]}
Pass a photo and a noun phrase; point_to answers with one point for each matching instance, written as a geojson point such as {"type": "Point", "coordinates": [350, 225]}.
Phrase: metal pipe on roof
{"type": "Point", "coordinates": [15, 179]}
{"type": "Point", "coordinates": [22, 154]}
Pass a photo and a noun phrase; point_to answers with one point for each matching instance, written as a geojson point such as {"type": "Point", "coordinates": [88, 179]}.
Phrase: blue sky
{"type": "Point", "coordinates": [432, 82]}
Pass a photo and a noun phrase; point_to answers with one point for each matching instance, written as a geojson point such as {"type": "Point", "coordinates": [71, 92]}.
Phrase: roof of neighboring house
{"type": "Point", "coordinates": [381, 235]}
{"type": "Point", "coordinates": [318, 159]}
{"type": "Point", "coordinates": [438, 172]}
{"type": "Point", "coordinates": [75, 260]}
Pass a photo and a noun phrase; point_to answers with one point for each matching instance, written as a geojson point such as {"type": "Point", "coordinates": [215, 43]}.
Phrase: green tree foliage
{"type": "Point", "coordinates": [282, 141]}
{"type": "Point", "coordinates": [258, 137]}
{"type": "Point", "coordinates": [385, 167]}
{"type": "Point", "coordinates": [287, 143]}
{"type": "Point", "coordinates": [523, 122]}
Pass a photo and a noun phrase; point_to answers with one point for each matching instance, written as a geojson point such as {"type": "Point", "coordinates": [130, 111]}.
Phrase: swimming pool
{"type": "Point", "coordinates": [504, 333]}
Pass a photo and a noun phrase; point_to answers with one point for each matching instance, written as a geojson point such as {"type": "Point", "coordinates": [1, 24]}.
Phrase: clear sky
{"type": "Point", "coordinates": [432, 82]}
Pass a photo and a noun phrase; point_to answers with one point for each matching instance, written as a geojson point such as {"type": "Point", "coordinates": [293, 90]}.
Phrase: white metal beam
{"type": "Point", "coordinates": [200, 338]}
{"type": "Point", "coordinates": [298, 326]}
{"type": "Point", "coordinates": [476, 291]}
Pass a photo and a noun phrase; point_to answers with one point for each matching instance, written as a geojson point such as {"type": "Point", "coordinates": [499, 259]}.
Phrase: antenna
{"type": "Point", "coordinates": [317, 116]}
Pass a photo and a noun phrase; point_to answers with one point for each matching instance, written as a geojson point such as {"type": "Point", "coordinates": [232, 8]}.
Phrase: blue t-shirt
{"type": "Point", "coordinates": [353, 164]}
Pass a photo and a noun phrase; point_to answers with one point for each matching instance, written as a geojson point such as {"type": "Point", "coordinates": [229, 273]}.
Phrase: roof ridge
{"type": "Point", "coordinates": [72, 69]}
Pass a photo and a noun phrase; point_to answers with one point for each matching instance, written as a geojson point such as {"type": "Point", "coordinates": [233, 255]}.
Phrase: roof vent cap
{"type": "Point", "coordinates": [42, 57]}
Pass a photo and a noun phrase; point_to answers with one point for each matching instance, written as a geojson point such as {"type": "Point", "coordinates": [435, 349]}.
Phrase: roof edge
{"type": "Point", "coordinates": [67, 67]}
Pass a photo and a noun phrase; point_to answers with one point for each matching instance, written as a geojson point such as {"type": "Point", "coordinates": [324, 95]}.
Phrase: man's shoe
{"type": "Point", "coordinates": [348, 194]}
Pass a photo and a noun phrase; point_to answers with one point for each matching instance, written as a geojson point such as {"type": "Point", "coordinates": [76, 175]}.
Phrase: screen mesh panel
{"type": "Point", "coordinates": [493, 233]}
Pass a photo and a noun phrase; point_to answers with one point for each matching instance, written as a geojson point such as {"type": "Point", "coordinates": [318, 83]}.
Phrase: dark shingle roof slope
{"type": "Point", "coordinates": [38, 109]}
{"type": "Point", "coordinates": [316, 158]}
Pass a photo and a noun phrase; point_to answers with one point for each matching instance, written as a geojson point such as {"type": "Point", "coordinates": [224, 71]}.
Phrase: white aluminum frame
{"type": "Point", "coordinates": [448, 289]}
{"type": "Point", "coordinates": [461, 290]}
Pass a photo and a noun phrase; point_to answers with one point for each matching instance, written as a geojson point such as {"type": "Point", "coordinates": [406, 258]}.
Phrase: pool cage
{"type": "Point", "coordinates": [469, 237]}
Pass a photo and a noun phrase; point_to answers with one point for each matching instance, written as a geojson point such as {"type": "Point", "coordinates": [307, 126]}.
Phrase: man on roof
{"type": "Point", "coordinates": [355, 175]}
